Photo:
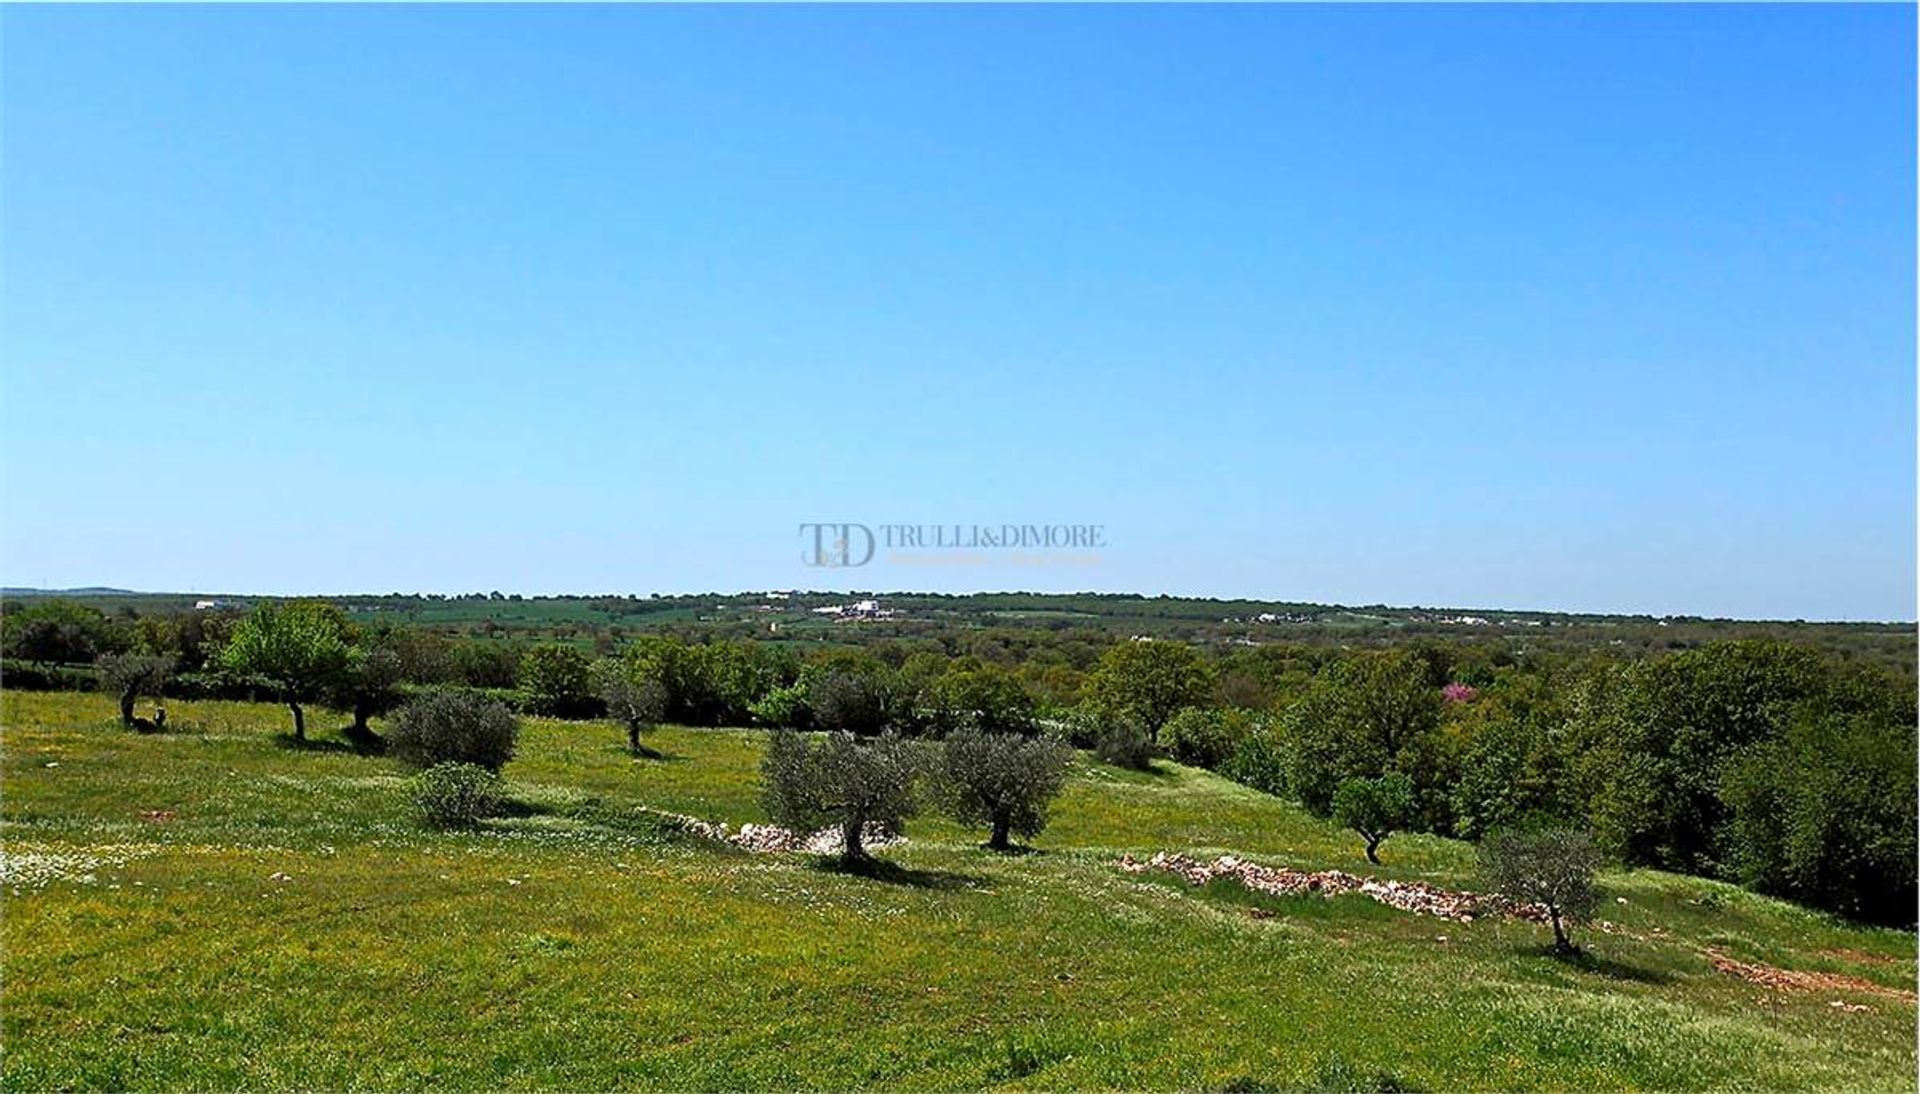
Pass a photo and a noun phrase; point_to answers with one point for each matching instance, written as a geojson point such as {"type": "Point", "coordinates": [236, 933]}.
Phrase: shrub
{"type": "Point", "coordinates": [456, 795]}
{"type": "Point", "coordinates": [1001, 780]}
{"type": "Point", "coordinates": [1552, 866]}
{"type": "Point", "coordinates": [1375, 808]}
{"type": "Point", "coordinates": [841, 781]}
{"type": "Point", "coordinates": [454, 727]}
{"type": "Point", "coordinates": [1123, 742]}
{"type": "Point", "coordinates": [849, 699]}
{"type": "Point", "coordinates": [553, 681]}
{"type": "Point", "coordinates": [1206, 736]}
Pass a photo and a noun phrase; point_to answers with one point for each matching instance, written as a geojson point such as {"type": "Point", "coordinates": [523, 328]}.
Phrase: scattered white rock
{"type": "Point", "coordinates": [1418, 897]}
{"type": "Point", "coordinates": [773, 839]}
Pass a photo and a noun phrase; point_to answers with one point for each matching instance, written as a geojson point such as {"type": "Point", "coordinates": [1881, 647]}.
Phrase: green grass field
{"type": "Point", "coordinates": [214, 909]}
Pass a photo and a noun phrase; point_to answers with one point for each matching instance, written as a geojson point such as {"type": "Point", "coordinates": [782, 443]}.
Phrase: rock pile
{"type": "Point", "coordinates": [773, 839]}
{"type": "Point", "coordinates": [1418, 897]}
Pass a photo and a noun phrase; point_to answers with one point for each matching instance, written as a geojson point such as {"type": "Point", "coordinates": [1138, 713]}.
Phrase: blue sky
{"type": "Point", "coordinates": [1582, 308]}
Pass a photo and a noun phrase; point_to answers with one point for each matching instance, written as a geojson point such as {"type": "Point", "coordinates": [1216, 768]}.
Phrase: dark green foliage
{"type": "Point", "coordinates": [34, 676]}
{"type": "Point", "coordinates": [299, 649]}
{"type": "Point", "coordinates": [1150, 682]}
{"type": "Point", "coordinates": [1553, 866]}
{"type": "Point", "coordinates": [369, 686]}
{"type": "Point", "coordinates": [1375, 807]}
{"type": "Point", "coordinates": [1259, 761]}
{"type": "Point", "coordinates": [1123, 743]}
{"type": "Point", "coordinates": [128, 676]}
{"type": "Point", "coordinates": [1206, 736]}
{"type": "Point", "coordinates": [977, 695]}
{"type": "Point", "coordinates": [1825, 815]}
{"type": "Point", "coordinates": [711, 684]}
{"type": "Point", "coordinates": [1653, 742]}
{"type": "Point", "coordinates": [553, 681]}
{"type": "Point", "coordinates": [1002, 781]}
{"type": "Point", "coordinates": [456, 795]}
{"type": "Point", "coordinates": [1360, 718]}
{"type": "Point", "coordinates": [454, 726]}
{"type": "Point", "coordinates": [59, 632]}
{"type": "Point", "coordinates": [1116, 737]}
{"type": "Point", "coordinates": [849, 698]}
{"type": "Point", "coordinates": [839, 780]}
{"type": "Point", "coordinates": [482, 663]}
{"type": "Point", "coordinates": [717, 682]}
{"type": "Point", "coordinates": [1515, 764]}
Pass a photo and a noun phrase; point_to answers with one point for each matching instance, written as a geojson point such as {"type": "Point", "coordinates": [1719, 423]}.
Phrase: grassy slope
{"type": "Point", "coordinates": [573, 948]}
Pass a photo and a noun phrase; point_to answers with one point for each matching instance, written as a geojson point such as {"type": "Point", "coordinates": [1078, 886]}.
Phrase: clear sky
{"type": "Point", "coordinates": [1581, 308]}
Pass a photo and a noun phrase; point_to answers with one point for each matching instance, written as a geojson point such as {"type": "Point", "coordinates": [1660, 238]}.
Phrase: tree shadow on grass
{"type": "Point", "coordinates": [1018, 850]}
{"type": "Point", "coordinates": [311, 744]}
{"type": "Point", "coordinates": [645, 752]}
{"type": "Point", "coordinates": [1583, 960]}
{"type": "Point", "coordinates": [368, 744]}
{"type": "Point", "coordinates": [521, 807]}
{"type": "Point", "coordinates": [892, 873]}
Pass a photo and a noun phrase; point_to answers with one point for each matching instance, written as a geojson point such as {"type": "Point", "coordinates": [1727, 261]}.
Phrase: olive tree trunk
{"type": "Point", "coordinates": [852, 850]}
{"type": "Point", "coordinates": [999, 841]}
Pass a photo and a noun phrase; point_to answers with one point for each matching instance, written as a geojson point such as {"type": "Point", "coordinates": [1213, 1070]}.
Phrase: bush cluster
{"type": "Point", "coordinates": [456, 795]}
{"type": "Point", "coordinates": [454, 726]}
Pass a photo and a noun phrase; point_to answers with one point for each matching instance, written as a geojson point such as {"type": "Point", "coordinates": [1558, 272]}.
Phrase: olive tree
{"type": "Point", "coordinates": [300, 649]}
{"type": "Point", "coordinates": [1553, 867]}
{"type": "Point", "coordinates": [1001, 780]}
{"type": "Point", "coordinates": [635, 697]}
{"type": "Point", "coordinates": [131, 675]}
{"type": "Point", "coordinates": [369, 685]}
{"type": "Point", "coordinates": [1375, 808]}
{"type": "Point", "coordinates": [839, 780]}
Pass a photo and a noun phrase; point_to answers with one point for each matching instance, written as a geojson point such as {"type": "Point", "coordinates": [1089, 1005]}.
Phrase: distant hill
{"type": "Point", "coordinates": [90, 590]}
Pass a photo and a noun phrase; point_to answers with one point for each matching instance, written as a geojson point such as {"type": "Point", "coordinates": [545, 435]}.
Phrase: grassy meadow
{"type": "Point", "coordinates": [212, 908]}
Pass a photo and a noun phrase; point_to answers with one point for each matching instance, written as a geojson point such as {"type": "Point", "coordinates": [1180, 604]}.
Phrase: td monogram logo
{"type": "Point", "coordinates": [837, 545]}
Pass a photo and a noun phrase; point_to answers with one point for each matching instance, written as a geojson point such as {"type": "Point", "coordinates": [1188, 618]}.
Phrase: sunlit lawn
{"type": "Point", "coordinates": [148, 942]}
